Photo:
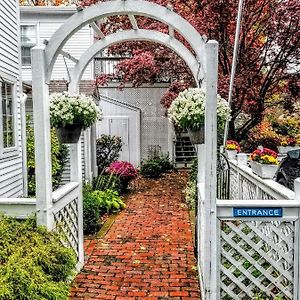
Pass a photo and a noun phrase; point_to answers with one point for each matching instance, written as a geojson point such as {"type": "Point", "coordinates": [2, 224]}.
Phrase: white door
{"type": "Point", "coordinates": [119, 126]}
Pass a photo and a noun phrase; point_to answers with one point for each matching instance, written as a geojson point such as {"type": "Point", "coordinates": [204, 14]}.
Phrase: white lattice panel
{"type": "Point", "coordinates": [234, 191]}
{"type": "Point", "coordinates": [66, 220]}
{"type": "Point", "coordinates": [256, 257]}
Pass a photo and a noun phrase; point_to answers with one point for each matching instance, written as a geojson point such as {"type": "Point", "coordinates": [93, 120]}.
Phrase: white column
{"type": "Point", "coordinates": [41, 116]}
{"type": "Point", "coordinates": [211, 272]}
{"type": "Point", "coordinates": [76, 175]}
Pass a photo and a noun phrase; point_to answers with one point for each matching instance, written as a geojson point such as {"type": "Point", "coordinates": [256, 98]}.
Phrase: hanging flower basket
{"type": "Point", "coordinates": [197, 136]}
{"type": "Point", "coordinates": [69, 134]}
{"type": "Point", "coordinates": [70, 114]}
{"type": "Point", "coordinates": [187, 111]}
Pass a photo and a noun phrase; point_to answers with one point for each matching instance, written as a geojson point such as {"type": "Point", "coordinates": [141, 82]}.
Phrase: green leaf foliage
{"type": "Point", "coordinates": [59, 155]}
{"type": "Point", "coordinates": [154, 167]}
{"type": "Point", "coordinates": [107, 181]}
{"type": "Point", "coordinates": [34, 263]}
{"type": "Point", "coordinates": [97, 204]}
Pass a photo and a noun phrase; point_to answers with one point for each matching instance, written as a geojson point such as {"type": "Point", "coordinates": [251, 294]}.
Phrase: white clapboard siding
{"type": "Point", "coordinates": [11, 178]}
{"type": "Point", "coordinates": [48, 20]}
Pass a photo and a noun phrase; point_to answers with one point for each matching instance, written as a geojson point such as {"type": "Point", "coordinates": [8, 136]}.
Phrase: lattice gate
{"type": "Point", "coordinates": [258, 255]}
{"type": "Point", "coordinates": [257, 258]}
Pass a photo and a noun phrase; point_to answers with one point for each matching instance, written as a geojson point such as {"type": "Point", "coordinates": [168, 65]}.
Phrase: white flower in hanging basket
{"type": "Point", "coordinates": [66, 109]}
{"type": "Point", "coordinates": [188, 110]}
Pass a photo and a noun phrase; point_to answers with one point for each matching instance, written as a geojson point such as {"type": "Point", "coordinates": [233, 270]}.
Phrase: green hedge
{"type": "Point", "coordinates": [34, 264]}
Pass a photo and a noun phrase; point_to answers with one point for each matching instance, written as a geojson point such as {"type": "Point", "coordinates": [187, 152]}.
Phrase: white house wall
{"type": "Point", "coordinates": [47, 24]}
{"type": "Point", "coordinates": [11, 180]}
{"type": "Point", "coordinates": [113, 110]}
{"type": "Point", "coordinates": [154, 124]}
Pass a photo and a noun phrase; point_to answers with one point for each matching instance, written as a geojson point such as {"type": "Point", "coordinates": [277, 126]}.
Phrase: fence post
{"type": "Point", "coordinates": [41, 116]}
{"type": "Point", "coordinates": [211, 269]}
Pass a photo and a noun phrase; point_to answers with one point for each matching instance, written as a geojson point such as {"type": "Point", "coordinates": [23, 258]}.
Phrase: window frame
{"type": "Point", "coordinates": [9, 151]}
{"type": "Point", "coordinates": [28, 66]}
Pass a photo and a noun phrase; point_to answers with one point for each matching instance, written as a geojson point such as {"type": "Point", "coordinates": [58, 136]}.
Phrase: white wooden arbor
{"type": "Point", "coordinates": [65, 205]}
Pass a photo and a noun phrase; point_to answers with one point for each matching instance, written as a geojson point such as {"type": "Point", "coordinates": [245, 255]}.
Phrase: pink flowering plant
{"type": "Point", "coordinates": [123, 169]}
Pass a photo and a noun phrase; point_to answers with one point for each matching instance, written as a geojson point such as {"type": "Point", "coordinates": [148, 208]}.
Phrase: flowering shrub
{"type": "Point", "coordinates": [263, 134]}
{"type": "Point", "coordinates": [233, 145]}
{"type": "Point", "coordinates": [66, 109]}
{"type": "Point", "coordinates": [188, 109]}
{"type": "Point", "coordinates": [123, 169]}
{"type": "Point", "coordinates": [264, 156]}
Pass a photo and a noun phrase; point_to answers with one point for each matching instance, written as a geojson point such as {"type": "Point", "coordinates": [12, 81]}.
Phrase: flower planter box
{"type": "Point", "coordinates": [263, 170]}
{"type": "Point", "coordinates": [286, 149]}
{"type": "Point", "coordinates": [231, 154]}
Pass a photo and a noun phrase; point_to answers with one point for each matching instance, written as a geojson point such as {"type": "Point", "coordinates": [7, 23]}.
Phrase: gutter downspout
{"type": "Point", "coordinates": [24, 144]}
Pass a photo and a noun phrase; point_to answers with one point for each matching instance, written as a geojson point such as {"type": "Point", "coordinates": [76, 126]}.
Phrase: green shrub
{"type": "Point", "coordinates": [191, 194]}
{"type": "Point", "coordinates": [154, 167]}
{"type": "Point", "coordinates": [34, 264]}
{"type": "Point", "coordinates": [108, 149]}
{"type": "Point", "coordinates": [164, 162]}
{"type": "Point", "coordinates": [96, 204]}
{"type": "Point", "coordinates": [151, 169]}
{"type": "Point", "coordinates": [59, 155]}
{"type": "Point", "coordinates": [194, 170]}
{"type": "Point", "coordinates": [107, 181]}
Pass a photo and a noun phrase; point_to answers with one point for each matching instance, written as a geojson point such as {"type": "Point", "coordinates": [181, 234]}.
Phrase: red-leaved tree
{"type": "Point", "coordinates": [269, 53]}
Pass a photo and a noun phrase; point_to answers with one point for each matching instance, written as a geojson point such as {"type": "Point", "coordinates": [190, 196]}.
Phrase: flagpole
{"type": "Point", "coordinates": [234, 62]}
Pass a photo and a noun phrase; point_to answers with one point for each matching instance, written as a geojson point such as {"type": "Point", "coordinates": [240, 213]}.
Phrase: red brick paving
{"type": "Point", "coordinates": [148, 252]}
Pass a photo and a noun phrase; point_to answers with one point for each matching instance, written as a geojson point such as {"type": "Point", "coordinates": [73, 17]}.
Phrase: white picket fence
{"type": "Point", "coordinates": [253, 255]}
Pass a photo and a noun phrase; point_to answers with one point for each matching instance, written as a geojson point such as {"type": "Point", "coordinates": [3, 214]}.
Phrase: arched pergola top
{"type": "Point", "coordinates": [133, 35]}
{"type": "Point", "coordinates": [122, 7]}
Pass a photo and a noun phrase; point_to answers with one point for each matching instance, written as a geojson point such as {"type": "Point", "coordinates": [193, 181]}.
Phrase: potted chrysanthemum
{"type": "Point", "coordinates": [187, 111]}
{"type": "Point", "coordinates": [232, 149]}
{"type": "Point", "coordinates": [70, 114]}
{"type": "Point", "coordinates": [264, 162]}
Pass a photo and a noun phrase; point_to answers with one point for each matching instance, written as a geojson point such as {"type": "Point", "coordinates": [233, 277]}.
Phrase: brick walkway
{"type": "Point", "coordinates": [147, 253]}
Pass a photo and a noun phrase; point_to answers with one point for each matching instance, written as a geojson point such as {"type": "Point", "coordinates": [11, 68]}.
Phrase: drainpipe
{"type": "Point", "coordinates": [24, 143]}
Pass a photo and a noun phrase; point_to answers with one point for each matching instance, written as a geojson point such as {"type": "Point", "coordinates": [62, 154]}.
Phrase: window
{"type": "Point", "coordinates": [28, 41]}
{"type": "Point", "coordinates": [7, 115]}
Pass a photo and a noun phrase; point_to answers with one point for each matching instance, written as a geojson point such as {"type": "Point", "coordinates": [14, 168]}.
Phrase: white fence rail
{"type": "Point", "coordinates": [66, 216]}
{"type": "Point", "coordinates": [244, 185]}
{"type": "Point", "coordinates": [256, 241]}
{"type": "Point", "coordinates": [65, 212]}
{"type": "Point", "coordinates": [20, 208]}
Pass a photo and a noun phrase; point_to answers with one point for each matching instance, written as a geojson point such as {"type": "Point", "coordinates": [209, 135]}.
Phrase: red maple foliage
{"type": "Point", "coordinates": [269, 52]}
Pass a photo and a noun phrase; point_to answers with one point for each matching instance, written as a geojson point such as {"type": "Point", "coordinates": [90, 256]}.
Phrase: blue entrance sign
{"type": "Point", "coordinates": [273, 212]}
